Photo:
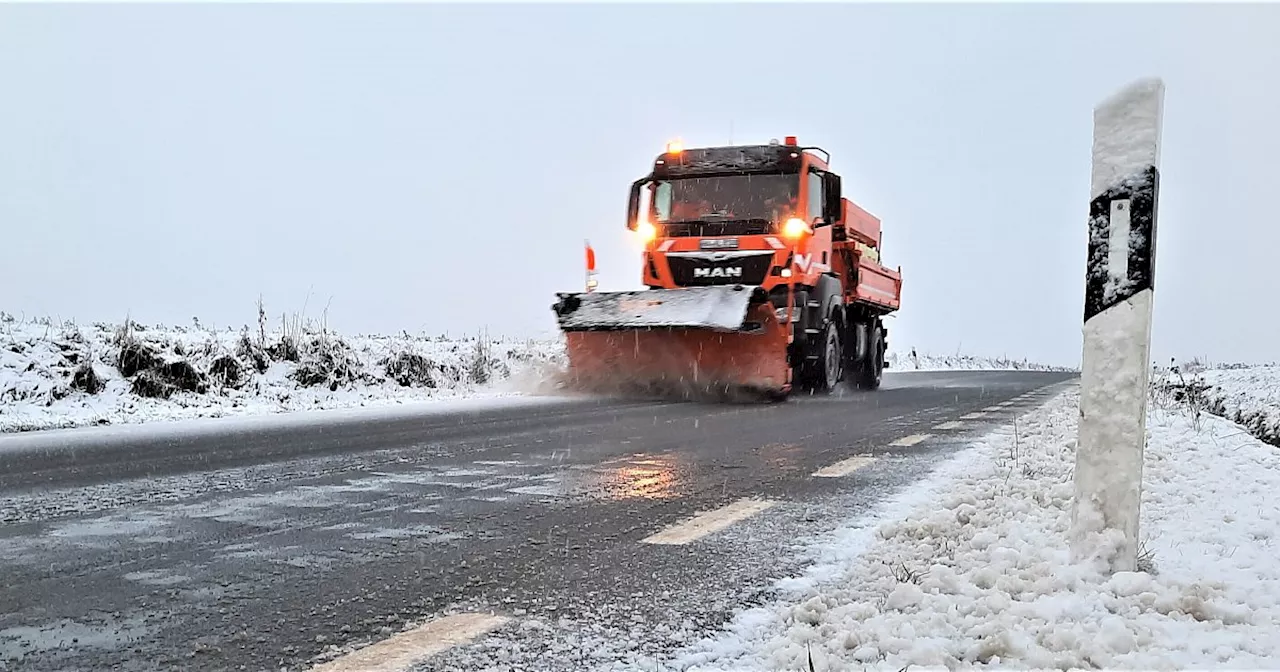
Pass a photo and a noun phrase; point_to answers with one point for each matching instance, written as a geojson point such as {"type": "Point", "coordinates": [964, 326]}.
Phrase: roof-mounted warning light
{"type": "Point", "coordinates": [791, 141]}
{"type": "Point", "coordinates": [675, 147]}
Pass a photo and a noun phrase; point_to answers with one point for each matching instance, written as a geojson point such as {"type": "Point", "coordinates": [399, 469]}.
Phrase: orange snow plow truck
{"type": "Point", "coordinates": [760, 277]}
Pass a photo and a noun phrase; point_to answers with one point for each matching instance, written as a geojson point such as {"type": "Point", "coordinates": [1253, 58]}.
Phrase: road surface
{"type": "Point", "coordinates": [554, 529]}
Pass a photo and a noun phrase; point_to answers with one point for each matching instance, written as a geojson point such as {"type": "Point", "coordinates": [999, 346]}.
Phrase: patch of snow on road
{"type": "Point", "coordinates": [977, 572]}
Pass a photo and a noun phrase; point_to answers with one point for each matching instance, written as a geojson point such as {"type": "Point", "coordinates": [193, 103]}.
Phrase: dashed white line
{"type": "Point", "coordinates": [973, 416]}
{"type": "Point", "coordinates": [844, 467]}
{"type": "Point", "coordinates": [911, 440]}
{"type": "Point", "coordinates": [407, 649]}
{"type": "Point", "coordinates": [953, 424]}
{"type": "Point", "coordinates": [991, 409]}
{"type": "Point", "coordinates": [710, 522]}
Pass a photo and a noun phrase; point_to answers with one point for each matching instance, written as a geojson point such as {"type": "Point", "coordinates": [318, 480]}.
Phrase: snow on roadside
{"type": "Point", "coordinates": [1246, 395]}
{"type": "Point", "coordinates": [63, 375]}
{"type": "Point", "coordinates": [176, 373]}
{"type": "Point", "coordinates": [906, 361]}
{"type": "Point", "coordinates": [972, 568]}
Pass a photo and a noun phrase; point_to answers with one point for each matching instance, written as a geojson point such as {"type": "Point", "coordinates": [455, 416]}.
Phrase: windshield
{"type": "Point", "coordinates": [769, 197]}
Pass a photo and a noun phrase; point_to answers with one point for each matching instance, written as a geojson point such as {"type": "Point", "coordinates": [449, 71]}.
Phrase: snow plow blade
{"type": "Point", "coordinates": [722, 342]}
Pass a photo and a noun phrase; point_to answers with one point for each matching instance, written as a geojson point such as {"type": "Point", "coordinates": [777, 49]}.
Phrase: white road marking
{"type": "Point", "coordinates": [911, 440]}
{"type": "Point", "coordinates": [844, 467]}
{"type": "Point", "coordinates": [953, 424]}
{"type": "Point", "coordinates": [991, 409]}
{"type": "Point", "coordinates": [407, 649]}
{"type": "Point", "coordinates": [710, 522]}
{"type": "Point", "coordinates": [973, 416]}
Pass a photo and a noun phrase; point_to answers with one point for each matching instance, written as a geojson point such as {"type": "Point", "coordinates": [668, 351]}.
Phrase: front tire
{"type": "Point", "coordinates": [827, 370]}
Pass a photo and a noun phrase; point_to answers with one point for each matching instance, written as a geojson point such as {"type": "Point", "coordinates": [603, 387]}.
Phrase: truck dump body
{"type": "Point", "coordinates": [877, 286]}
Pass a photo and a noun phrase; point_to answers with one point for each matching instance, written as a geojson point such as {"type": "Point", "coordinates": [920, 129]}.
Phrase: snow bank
{"type": "Point", "coordinates": [67, 375]}
{"type": "Point", "coordinates": [64, 375]}
{"type": "Point", "coordinates": [972, 568]}
{"type": "Point", "coordinates": [907, 361]}
{"type": "Point", "coordinates": [1246, 395]}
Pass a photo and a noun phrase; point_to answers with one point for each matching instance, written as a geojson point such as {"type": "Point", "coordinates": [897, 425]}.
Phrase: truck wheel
{"type": "Point", "coordinates": [828, 369]}
{"type": "Point", "coordinates": [871, 371]}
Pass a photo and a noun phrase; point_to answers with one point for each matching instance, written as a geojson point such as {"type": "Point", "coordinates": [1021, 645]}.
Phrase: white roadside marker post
{"type": "Point", "coordinates": [1119, 289]}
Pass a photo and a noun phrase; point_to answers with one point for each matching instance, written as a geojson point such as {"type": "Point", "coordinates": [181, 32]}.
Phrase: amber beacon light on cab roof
{"type": "Point", "coordinates": [761, 279]}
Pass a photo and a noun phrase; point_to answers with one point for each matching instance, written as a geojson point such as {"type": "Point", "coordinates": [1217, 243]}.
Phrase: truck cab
{"type": "Point", "coordinates": [758, 215]}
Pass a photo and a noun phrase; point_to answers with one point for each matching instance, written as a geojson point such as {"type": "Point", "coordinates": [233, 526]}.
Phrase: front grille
{"type": "Point", "coordinates": [685, 270]}
{"type": "Point", "coordinates": [740, 227]}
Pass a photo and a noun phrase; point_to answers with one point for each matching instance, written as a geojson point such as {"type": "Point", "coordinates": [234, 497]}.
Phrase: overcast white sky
{"type": "Point", "coordinates": [437, 167]}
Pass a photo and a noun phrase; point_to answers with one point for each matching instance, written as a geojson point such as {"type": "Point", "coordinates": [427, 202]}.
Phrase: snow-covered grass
{"type": "Point", "coordinates": [1246, 395]}
{"type": "Point", "coordinates": [58, 375]}
{"type": "Point", "coordinates": [911, 361]}
{"type": "Point", "coordinates": [972, 568]}
{"type": "Point", "coordinates": [62, 375]}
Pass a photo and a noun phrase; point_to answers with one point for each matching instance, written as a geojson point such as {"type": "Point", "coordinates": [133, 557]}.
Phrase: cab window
{"type": "Point", "coordinates": [662, 202]}
{"type": "Point", "coordinates": [815, 196]}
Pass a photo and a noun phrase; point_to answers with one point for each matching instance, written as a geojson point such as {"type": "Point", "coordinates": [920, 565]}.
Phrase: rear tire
{"type": "Point", "coordinates": [871, 370]}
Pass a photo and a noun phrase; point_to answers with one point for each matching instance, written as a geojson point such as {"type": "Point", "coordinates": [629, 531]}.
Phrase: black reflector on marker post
{"type": "Point", "coordinates": [1119, 289]}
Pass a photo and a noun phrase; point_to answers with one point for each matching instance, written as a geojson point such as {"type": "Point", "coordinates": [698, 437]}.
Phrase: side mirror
{"type": "Point", "coordinates": [831, 193]}
{"type": "Point", "coordinates": [633, 203]}
{"type": "Point", "coordinates": [819, 222]}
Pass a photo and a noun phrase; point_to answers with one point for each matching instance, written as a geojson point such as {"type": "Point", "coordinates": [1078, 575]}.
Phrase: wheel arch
{"type": "Point", "coordinates": [831, 292]}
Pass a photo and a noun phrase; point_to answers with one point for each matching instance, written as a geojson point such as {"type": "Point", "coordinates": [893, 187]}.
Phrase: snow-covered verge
{"type": "Point", "coordinates": [1246, 395]}
{"type": "Point", "coordinates": [972, 568]}
{"type": "Point", "coordinates": [60, 375]}
{"type": "Point", "coordinates": [911, 361]}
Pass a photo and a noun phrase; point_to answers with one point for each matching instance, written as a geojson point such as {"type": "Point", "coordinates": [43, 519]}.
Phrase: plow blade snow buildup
{"type": "Point", "coordinates": [722, 342]}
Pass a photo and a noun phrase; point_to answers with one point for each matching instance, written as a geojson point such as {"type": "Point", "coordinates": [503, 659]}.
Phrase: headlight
{"type": "Point", "coordinates": [795, 227]}
{"type": "Point", "coordinates": [647, 231]}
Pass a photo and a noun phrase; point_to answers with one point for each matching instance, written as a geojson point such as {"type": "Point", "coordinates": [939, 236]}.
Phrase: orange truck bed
{"type": "Point", "coordinates": [875, 286]}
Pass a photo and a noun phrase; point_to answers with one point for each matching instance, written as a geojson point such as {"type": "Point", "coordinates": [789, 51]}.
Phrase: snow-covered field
{"type": "Point", "coordinates": [157, 373]}
{"type": "Point", "coordinates": [905, 361]}
{"type": "Point", "coordinates": [1246, 395]}
{"type": "Point", "coordinates": [148, 374]}
{"type": "Point", "coordinates": [971, 568]}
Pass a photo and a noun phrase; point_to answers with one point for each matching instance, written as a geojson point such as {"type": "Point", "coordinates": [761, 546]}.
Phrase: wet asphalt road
{"type": "Point", "coordinates": [265, 547]}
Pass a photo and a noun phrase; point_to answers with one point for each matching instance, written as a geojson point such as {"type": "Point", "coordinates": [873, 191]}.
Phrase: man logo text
{"type": "Point", "coordinates": [729, 272]}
